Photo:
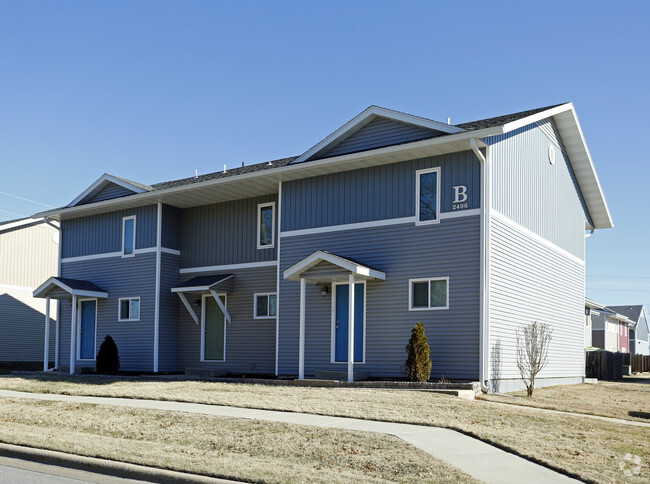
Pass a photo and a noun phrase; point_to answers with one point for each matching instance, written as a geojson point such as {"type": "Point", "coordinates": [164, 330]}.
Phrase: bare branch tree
{"type": "Point", "coordinates": [533, 341]}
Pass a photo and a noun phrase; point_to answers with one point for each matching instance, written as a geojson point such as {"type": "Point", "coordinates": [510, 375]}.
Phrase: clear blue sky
{"type": "Point", "coordinates": [153, 90]}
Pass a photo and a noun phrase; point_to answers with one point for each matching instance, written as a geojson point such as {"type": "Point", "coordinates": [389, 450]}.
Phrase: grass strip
{"type": "Point", "coordinates": [592, 449]}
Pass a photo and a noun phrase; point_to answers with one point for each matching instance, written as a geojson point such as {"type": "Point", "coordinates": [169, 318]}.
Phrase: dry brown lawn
{"type": "Point", "coordinates": [629, 401]}
{"type": "Point", "coordinates": [220, 447]}
{"type": "Point", "coordinates": [588, 448]}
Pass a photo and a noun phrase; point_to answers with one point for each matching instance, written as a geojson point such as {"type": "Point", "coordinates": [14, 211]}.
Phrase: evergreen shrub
{"type": "Point", "coordinates": [418, 363]}
{"type": "Point", "coordinates": [108, 358]}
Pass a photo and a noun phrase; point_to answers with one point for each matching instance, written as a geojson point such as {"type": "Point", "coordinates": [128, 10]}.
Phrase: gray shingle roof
{"type": "Point", "coordinates": [499, 120]}
{"type": "Point", "coordinates": [268, 165]}
{"type": "Point", "coordinates": [204, 281]}
{"type": "Point", "coordinates": [632, 312]}
{"type": "Point", "coordinates": [79, 285]}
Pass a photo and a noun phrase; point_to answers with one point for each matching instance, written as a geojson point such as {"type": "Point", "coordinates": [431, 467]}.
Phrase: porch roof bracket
{"type": "Point", "coordinates": [189, 307]}
{"type": "Point", "coordinates": [221, 306]}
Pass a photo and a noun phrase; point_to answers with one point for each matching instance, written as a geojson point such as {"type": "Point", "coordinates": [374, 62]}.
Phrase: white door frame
{"type": "Point", "coordinates": [79, 301]}
{"type": "Point", "coordinates": [203, 298]}
{"type": "Point", "coordinates": [333, 324]}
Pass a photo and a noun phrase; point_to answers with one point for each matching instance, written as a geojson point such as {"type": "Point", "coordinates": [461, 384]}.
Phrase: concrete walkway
{"type": "Point", "coordinates": [564, 413]}
{"type": "Point", "coordinates": [472, 456]}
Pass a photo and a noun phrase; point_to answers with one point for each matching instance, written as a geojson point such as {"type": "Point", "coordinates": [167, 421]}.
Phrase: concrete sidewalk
{"type": "Point", "coordinates": [476, 458]}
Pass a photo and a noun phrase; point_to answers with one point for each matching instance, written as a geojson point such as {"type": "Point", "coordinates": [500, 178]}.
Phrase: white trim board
{"type": "Point", "coordinates": [228, 267]}
{"type": "Point", "coordinates": [529, 233]}
{"type": "Point", "coordinates": [377, 223]}
{"type": "Point", "coordinates": [105, 255]}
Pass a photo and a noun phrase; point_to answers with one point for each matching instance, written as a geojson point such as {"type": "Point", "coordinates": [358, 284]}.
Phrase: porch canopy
{"type": "Point", "coordinates": [65, 289]}
{"type": "Point", "coordinates": [205, 285]}
{"type": "Point", "coordinates": [323, 267]}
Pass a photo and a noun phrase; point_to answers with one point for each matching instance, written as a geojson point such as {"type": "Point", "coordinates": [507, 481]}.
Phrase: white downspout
{"type": "Point", "coordinates": [58, 303]}
{"type": "Point", "coordinates": [486, 204]}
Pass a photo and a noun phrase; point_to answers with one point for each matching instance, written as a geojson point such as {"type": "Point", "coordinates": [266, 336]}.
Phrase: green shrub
{"type": "Point", "coordinates": [418, 363]}
{"type": "Point", "coordinates": [108, 358]}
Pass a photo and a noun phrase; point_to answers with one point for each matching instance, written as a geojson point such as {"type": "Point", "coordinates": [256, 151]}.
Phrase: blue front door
{"type": "Point", "coordinates": [342, 322]}
{"type": "Point", "coordinates": [87, 329]}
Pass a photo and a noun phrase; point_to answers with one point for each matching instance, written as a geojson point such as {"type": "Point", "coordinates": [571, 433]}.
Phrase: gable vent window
{"type": "Point", "coordinates": [427, 197]}
{"type": "Point", "coordinates": [266, 225]}
{"type": "Point", "coordinates": [128, 236]}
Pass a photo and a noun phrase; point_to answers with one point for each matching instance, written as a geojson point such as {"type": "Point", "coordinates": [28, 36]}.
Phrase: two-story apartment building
{"type": "Point", "coordinates": [325, 261]}
{"type": "Point", "coordinates": [29, 253]}
{"type": "Point", "coordinates": [638, 328]}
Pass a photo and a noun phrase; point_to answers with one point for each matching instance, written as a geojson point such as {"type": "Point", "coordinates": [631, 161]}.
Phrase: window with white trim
{"type": "Point", "coordinates": [266, 306]}
{"type": "Point", "coordinates": [428, 294]}
{"type": "Point", "coordinates": [427, 196]}
{"type": "Point", "coordinates": [129, 309]}
{"type": "Point", "coordinates": [128, 236]}
{"type": "Point", "coordinates": [266, 225]}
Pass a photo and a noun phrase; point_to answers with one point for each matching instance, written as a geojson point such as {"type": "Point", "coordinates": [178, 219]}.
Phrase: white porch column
{"type": "Point", "coordinates": [46, 350]}
{"type": "Point", "coordinates": [301, 348]}
{"type": "Point", "coordinates": [351, 330]}
{"type": "Point", "coordinates": [56, 335]}
{"type": "Point", "coordinates": [73, 327]}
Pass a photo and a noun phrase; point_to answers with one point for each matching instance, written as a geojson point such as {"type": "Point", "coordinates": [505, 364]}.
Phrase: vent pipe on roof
{"type": "Point", "coordinates": [243, 164]}
{"type": "Point", "coordinates": [448, 120]}
{"type": "Point", "coordinates": [196, 173]}
{"type": "Point", "coordinates": [224, 168]}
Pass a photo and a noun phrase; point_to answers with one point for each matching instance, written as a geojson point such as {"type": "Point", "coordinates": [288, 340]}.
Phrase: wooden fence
{"type": "Point", "coordinates": [606, 365]}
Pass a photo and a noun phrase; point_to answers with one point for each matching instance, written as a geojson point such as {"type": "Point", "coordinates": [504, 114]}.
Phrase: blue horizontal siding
{"type": "Point", "coordinates": [99, 234]}
{"type": "Point", "coordinates": [130, 277]}
{"type": "Point", "coordinates": [223, 233]}
{"type": "Point", "coordinates": [376, 193]}
{"type": "Point", "coordinates": [403, 252]}
{"type": "Point", "coordinates": [111, 190]}
{"type": "Point", "coordinates": [171, 227]}
{"type": "Point", "coordinates": [378, 133]}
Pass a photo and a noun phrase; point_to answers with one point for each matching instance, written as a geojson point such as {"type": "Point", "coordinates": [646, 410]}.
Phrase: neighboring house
{"type": "Point", "coordinates": [592, 311]}
{"type": "Point", "coordinates": [638, 332]}
{"type": "Point", "coordinates": [29, 253]}
{"type": "Point", "coordinates": [325, 261]}
{"type": "Point", "coordinates": [610, 330]}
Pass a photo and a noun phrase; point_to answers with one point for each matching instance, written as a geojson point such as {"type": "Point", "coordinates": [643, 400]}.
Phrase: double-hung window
{"type": "Point", "coordinates": [129, 309]}
{"type": "Point", "coordinates": [427, 196]}
{"type": "Point", "coordinates": [128, 236]}
{"type": "Point", "coordinates": [425, 294]}
{"type": "Point", "coordinates": [266, 305]}
{"type": "Point", "coordinates": [266, 225]}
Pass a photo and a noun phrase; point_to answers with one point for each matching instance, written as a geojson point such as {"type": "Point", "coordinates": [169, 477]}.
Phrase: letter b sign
{"type": "Point", "coordinates": [460, 194]}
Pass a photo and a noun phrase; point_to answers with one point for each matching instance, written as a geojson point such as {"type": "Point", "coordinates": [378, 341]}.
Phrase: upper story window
{"type": "Point", "coordinates": [427, 196]}
{"type": "Point", "coordinates": [129, 309]}
{"type": "Point", "coordinates": [128, 236]}
{"type": "Point", "coordinates": [266, 225]}
{"type": "Point", "coordinates": [429, 294]}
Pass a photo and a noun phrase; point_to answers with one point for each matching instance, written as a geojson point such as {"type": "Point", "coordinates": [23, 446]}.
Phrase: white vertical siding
{"type": "Point", "coordinates": [532, 281]}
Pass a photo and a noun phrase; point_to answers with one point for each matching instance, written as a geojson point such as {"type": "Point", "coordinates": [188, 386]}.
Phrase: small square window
{"type": "Point", "coordinates": [429, 294]}
{"type": "Point", "coordinates": [266, 306]}
{"type": "Point", "coordinates": [129, 309]}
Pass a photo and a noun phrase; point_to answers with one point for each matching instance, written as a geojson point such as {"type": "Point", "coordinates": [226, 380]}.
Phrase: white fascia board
{"type": "Point", "coordinates": [45, 287]}
{"type": "Point", "coordinates": [573, 138]}
{"type": "Point", "coordinates": [295, 271]}
{"type": "Point", "coordinates": [593, 304]}
{"type": "Point", "coordinates": [200, 288]}
{"type": "Point", "coordinates": [365, 117]}
{"type": "Point", "coordinates": [100, 182]}
{"type": "Point", "coordinates": [520, 123]}
{"type": "Point", "coordinates": [285, 172]}
{"type": "Point", "coordinates": [20, 223]}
